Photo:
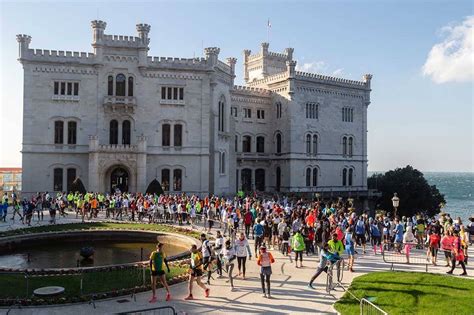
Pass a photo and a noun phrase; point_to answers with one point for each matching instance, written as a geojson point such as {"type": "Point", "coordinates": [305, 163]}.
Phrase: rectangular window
{"type": "Point", "coordinates": [181, 94]}
{"type": "Point", "coordinates": [348, 114]}
{"type": "Point", "coordinates": [69, 88]}
{"type": "Point", "coordinates": [166, 135]}
{"type": "Point", "coordinates": [76, 88]}
{"type": "Point", "coordinates": [170, 93]}
{"type": "Point", "coordinates": [247, 113]}
{"type": "Point", "coordinates": [175, 93]}
{"type": "Point", "coordinates": [58, 179]}
{"type": "Point", "coordinates": [56, 87]}
{"type": "Point", "coordinates": [233, 111]}
{"type": "Point", "coordinates": [312, 111]}
{"type": "Point", "coordinates": [71, 132]}
{"type": "Point", "coordinates": [58, 132]}
{"type": "Point", "coordinates": [63, 88]}
{"type": "Point", "coordinates": [163, 92]}
{"type": "Point", "coordinates": [260, 114]}
{"type": "Point", "coordinates": [165, 179]}
{"type": "Point", "coordinates": [71, 176]}
{"type": "Point", "coordinates": [178, 135]}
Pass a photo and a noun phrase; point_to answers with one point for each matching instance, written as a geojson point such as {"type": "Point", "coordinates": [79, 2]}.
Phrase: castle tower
{"type": "Point", "coordinates": [23, 44]}
{"type": "Point", "coordinates": [265, 63]}
{"type": "Point", "coordinates": [231, 61]}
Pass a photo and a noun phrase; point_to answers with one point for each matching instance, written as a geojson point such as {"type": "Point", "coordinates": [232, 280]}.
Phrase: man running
{"type": "Point", "coordinates": [157, 263]}
{"type": "Point", "coordinates": [196, 272]}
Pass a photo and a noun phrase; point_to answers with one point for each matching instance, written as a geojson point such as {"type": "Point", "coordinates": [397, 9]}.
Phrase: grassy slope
{"type": "Point", "coordinates": [411, 293]}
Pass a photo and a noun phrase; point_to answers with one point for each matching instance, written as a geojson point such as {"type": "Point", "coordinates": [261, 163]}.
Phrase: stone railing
{"type": "Point", "coordinates": [120, 103]}
{"type": "Point", "coordinates": [240, 88]}
{"type": "Point", "coordinates": [117, 148]}
{"type": "Point", "coordinates": [223, 66]}
{"type": "Point", "coordinates": [271, 78]}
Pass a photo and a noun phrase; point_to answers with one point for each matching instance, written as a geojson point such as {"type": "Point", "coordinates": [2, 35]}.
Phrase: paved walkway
{"type": "Point", "coordinates": [289, 290]}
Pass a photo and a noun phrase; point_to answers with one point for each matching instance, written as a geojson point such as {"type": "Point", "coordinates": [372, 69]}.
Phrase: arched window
{"type": "Point", "coordinates": [260, 144]}
{"type": "Point", "coordinates": [110, 85]}
{"type": "Point", "coordinates": [278, 143]}
{"type": "Point", "coordinates": [344, 146]}
{"type": "Point", "coordinates": [178, 135]}
{"type": "Point", "coordinates": [246, 179]}
{"type": "Point", "coordinates": [315, 144]}
{"type": "Point", "coordinates": [308, 177]}
{"type": "Point", "coordinates": [350, 146]}
{"type": "Point", "coordinates": [126, 132]}
{"type": "Point", "coordinates": [165, 179]}
{"type": "Point", "coordinates": [246, 144]}
{"type": "Point", "coordinates": [130, 86]}
{"type": "Point", "coordinates": [120, 85]}
{"type": "Point", "coordinates": [278, 179]}
{"type": "Point", "coordinates": [166, 135]}
{"type": "Point", "coordinates": [260, 179]}
{"type": "Point", "coordinates": [70, 177]}
{"type": "Point", "coordinates": [177, 177]}
{"type": "Point", "coordinates": [71, 132]}
{"type": "Point", "coordinates": [344, 177]}
{"type": "Point", "coordinates": [58, 179]}
{"type": "Point", "coordinates": [113, 132]}
{"type": "Point", "coordinates": [221, 110]}
{"type": "Point", "coordinates": [351, 171]}
{"type": "Point", "coordinates": [315, 177]}
{"type": "Point", "coordinates": [308, 144]}
{"type": "Point", "coordinates": [58, 132]}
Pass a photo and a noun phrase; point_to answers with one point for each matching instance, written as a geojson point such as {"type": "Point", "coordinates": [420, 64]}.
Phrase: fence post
{"type": "Point", "coordinates": [82, 276]}
{"type": "Point", "coordinates": [144, 274]}
{"type": "Point", "coordinates": [27, 284]}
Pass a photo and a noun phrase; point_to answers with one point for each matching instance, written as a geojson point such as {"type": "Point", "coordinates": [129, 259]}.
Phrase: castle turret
{"type": "Point", "coordinates": [231, 61]}
{"type": "Point", "coordinates": [212, 55]}
{"type": "Point", "coordinates": [246, 59]}
{"type": "Point", "coordinates": [98, 28]}
{"type": "Point", "coordinates": [289, 53]}
{"type": "Point", "coordinates": [23, 45]}
{"type": "Point", "coordinates": [143, 30]}
{"type": "Point", "coordinates": [366, 78]}
{"type": "Point", "coordinates": [291, 71]}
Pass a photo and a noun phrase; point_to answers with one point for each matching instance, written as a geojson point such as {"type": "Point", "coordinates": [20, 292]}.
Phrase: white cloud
{"type": "Point", "coordinates": [338, 73]}
{"type": "Point", "coordinates": [452, 60]}
{"type": "Point", "coordinates": [315, 66]}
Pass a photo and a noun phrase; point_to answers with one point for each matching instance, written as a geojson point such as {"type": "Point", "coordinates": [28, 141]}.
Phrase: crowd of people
{"type": "Point", "coordinates": [295, 227]}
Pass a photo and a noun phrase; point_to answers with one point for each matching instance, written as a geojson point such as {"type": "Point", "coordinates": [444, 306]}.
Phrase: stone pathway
{"type": "Point", "coordinates": [289, 290]}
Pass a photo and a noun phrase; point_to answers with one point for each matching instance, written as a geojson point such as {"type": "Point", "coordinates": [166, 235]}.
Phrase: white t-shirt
{"type": "Point", "coordinates": [241, 247]}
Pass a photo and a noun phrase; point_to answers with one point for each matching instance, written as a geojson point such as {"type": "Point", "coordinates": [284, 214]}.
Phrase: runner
{"type": "Point", "coordinates": [242, 248]}
{"type": "Point", "coordinates": [157, 263]}
{"type": "Point", "coordinates": [229, 257]}
{"type": "Point", "coordinates": [196, 272]}
{"type": "Point", "coordinates": [348, 239]}
{"type": "Point", "coordinates": [457, 255]}
{"type": "Point", "coordinates": [298, 246]}
{"type": "Point", "coordinates": [265, 261]}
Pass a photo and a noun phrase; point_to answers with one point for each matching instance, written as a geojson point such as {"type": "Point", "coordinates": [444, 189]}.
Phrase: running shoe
{"type": "Point", "coordinates": [207, 292]}
{"type": "Point", "coordinates": [189, 297]}
{"type": "Point", "coordinates": [168, 297]}
{"type": "Point", "coordinates": [152, 300]}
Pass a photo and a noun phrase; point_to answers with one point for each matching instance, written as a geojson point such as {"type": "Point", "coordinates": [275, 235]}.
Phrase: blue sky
{"type": "Point", "coordinates": [418, 116]}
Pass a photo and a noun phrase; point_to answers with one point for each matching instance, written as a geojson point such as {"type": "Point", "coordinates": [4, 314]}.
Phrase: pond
{"type": "Point", "coordinates": [65, 254]}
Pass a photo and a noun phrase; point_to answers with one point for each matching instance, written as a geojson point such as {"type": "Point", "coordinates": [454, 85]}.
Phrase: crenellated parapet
{"type": "Point", "coordinates": [177, 63]}
{"type": "Point", "coordinates": [332, 80]}
{"type": "Point", "coordinates": [252, 90]}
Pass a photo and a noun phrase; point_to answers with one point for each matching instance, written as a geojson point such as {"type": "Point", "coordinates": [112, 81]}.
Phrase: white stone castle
{"type": "Point", "coordinates": [118, 118]}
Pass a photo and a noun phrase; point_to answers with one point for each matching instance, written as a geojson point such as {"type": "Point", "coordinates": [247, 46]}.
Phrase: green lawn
{"type": "Point", "coordinates": [100, 225]}
{"type": "Point", "coordinates": [411, 293]}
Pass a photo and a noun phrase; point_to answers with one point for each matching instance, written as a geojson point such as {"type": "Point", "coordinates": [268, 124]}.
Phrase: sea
{"type": "Point", "coordinates": [458, 191]}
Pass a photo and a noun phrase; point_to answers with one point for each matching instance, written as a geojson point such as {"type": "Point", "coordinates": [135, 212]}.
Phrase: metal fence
{"type": "Point", "coordinates": [419, 254]}
{"type": "Point", "coordinates": [369, 308]}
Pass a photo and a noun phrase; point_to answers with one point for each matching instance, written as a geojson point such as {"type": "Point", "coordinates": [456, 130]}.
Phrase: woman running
{"type": "Point", "coordinates": [265, 261]}
{"type": "Point", "coordinates": [242, 249]}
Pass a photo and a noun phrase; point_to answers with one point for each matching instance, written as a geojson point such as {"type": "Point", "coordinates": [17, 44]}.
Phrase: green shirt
{"type": "Point", "coordinates": [157, 261]}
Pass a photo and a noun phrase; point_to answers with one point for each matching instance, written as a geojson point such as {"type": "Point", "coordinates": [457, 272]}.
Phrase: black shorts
{"type": "Point", "coordinates": [360, 239]}
{"type": "Point", "coordinates": [196, 272]}
{"type": "Point", "coordinates": [159, 273]}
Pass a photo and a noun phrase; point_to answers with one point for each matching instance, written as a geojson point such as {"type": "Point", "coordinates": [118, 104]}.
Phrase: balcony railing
{"type": "Point", "coordinates": [122, 103]}
{"type": "Point", "coordinates": [117, 148]}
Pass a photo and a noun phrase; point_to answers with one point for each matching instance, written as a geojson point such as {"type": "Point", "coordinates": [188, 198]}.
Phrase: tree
{"type": "Point", "coordinates": [415, 194]}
